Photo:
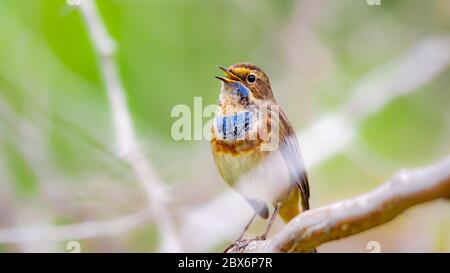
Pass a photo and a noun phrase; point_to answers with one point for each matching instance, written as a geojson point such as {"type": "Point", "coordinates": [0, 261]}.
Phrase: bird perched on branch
{"type": "Point", "coordinates": [255, 147]}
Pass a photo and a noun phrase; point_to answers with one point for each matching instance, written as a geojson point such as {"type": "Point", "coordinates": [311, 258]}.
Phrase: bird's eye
{"type": "Point", "coordinates": [251, 78]}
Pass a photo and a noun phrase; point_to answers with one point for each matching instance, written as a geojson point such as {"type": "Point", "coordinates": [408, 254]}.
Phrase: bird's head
{"type": "Point", "coordinates": [245, 83]}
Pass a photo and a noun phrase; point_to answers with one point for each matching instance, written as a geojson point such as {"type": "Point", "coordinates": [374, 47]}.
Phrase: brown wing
{"type": "Point", "coordinates": [290, 150]}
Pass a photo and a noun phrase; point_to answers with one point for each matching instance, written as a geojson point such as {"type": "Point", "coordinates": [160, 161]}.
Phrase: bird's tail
{"type": "Point", "coordinates": [289, 207]}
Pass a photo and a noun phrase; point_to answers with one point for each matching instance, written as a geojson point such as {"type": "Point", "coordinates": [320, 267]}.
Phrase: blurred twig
{"type": "Point", "coordinates": [348, 217]}
{"type": "Point", "coordinates": [127, 144]}
{"type": "Point", "coordinates": [79, 231]}
{"type": "Point", "coordinates": [402, 76]}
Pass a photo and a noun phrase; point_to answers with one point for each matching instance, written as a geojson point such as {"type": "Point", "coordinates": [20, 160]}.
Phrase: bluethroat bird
{"type": "Point", "coordinates": [255, 147]}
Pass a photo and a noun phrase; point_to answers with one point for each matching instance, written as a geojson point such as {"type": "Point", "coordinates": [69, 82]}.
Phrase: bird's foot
{"type": "Point", "coordinates": [241, 244]}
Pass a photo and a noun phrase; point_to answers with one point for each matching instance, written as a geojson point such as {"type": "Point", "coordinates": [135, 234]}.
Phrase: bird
{"type": "Point", "coordinates": [255, 147]}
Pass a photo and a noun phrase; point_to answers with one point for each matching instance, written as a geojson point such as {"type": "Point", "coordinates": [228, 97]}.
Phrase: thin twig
{"type": "Point", "coordinates": [348, 217]}
{"type": "Point", "coordinates": [79, 231]}
{"type": "Point", "coordinates": [127, 144]}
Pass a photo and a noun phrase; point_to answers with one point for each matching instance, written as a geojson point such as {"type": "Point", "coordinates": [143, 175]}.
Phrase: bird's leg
{"type": "Point", "coordinates": [247, 226]}
{"type": "Point", "coordinates": [239, 243]}
{"type": "Point", "coordinates": [242, 234]}
{"type": "Point", "coordinates": [269, 225]}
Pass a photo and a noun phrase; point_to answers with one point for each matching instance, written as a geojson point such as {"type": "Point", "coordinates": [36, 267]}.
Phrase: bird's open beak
{"type": "Point", "coordinates": [225, 80]}
{"type": "Point", "coordinates": [231, 76]}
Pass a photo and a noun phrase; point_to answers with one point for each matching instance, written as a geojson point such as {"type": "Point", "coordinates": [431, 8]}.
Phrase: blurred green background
{"type": "Point", "coordinates": [57, 150]}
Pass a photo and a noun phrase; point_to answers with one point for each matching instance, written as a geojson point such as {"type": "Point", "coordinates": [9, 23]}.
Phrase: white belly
{"type": "Point", "coordinates": [268, 181]}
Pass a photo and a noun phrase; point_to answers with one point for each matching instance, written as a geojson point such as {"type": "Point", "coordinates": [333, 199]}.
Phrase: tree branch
{"type": "Point", "coordinates": [348, 217]}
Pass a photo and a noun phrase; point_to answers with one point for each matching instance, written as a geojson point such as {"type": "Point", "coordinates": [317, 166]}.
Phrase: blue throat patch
{"type": "Point", "coordinates": [241, 89]}
{"type": "Point", "coordinates": [234, 127]}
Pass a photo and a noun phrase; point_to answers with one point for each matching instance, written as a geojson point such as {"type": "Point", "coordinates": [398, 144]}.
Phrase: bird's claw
{"type": "Point", "coordinates": [261, 238]}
